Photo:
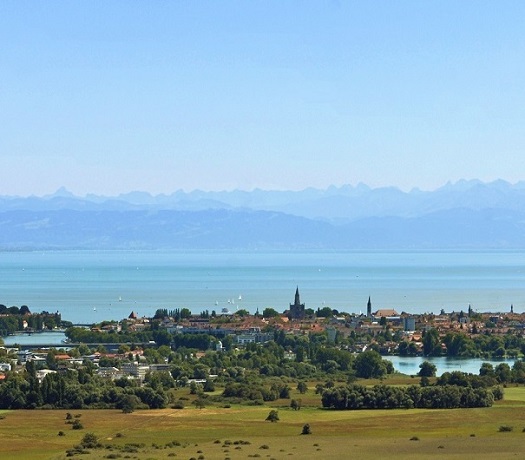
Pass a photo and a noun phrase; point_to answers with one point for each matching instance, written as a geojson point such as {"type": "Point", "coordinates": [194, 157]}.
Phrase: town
{"type": "Point", "coordinates": [299, 360]}
{"type": "Point", "coordinates": [136, 345]}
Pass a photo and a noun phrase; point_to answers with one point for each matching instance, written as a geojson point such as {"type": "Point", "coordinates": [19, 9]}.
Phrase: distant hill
{"type": "Point", "coordinates": [467, 214]}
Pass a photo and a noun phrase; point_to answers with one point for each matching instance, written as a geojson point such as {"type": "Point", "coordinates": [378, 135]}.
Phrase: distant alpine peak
{"type": "Point", "coordinates": [62, 192]}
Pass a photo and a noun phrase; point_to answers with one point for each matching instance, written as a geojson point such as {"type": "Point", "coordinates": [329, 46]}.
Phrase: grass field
{"type": "Point", "coordinates": [215, 433]}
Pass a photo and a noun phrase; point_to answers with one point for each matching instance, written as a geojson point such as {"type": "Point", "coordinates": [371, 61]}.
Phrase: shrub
{"type": "Point", "coordinates": [505, 428]}
{"type": "Point", "coordinates": [89, 441]}
{"type": "Point", "coordinates": [76, 425]}
{"type": "Point", "coordinates": [273, 416]}
{"type": "Point", "coordinates": [306, 429]}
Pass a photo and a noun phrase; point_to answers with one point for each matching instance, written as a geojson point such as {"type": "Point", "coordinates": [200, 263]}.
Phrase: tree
{"type": "Point", "coordinates": [123, 349]}
{"type": "Point", "coordinates": [427, 369]}
{"type": "Point", "coordinates": [89, 441]}
{"type": "Point", "coordinates": [77, 425]}
{"type": "Point", "coordinates": [273, 416]}
{"type": "Point", "coordinates": [431, 343]}
{"type": "Point", "coordinates": [270, 313]}
{"type": "Point", "coordinates": [503, 373]}
{"type": "Point", "coordinates": [209, 386]}
{"type": "Point", "coordinates": [295, 404]}
{"type": "Point", "coordinates": [199, 403]}
{"type": "Point", "coordinates": [302, 387]}
{"type": "Point", "coordinates": [324, 312]}
{"type": "Point", "coordinates": [128, 403]}
{"type": "Point", "coordinates": [306, 429]}
{"type": "Point", "coordinates": [369, 365]}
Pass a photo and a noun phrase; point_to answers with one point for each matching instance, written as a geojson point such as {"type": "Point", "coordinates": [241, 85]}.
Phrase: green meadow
{"type": "Point", "coordinates": [241, 432]}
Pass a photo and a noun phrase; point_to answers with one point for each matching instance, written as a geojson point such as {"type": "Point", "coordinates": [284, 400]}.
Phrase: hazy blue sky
{"type": "Point", "coordinates": [112, 96]}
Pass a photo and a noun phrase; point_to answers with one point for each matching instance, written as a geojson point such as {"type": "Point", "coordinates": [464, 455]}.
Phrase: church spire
{"type": "Point", "coordinates": [369, 308]}
{"type": "Point", "coordinates": [297, 297]}
{"type": "Point", "coordinates": [297, 308]}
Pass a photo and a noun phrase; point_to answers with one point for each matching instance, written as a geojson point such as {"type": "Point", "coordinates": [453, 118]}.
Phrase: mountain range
{"type": "Point", "coordinates": [462, 215]}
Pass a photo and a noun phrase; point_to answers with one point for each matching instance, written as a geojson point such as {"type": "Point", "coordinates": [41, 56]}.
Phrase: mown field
{"type": "Point", "coordinates": [241, 432]}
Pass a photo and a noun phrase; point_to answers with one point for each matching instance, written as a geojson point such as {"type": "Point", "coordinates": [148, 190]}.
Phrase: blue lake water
{"type": "Point", "coordinates": [54, 338]}
{"type": "Point", "coordinates": [89, 286]}
{"type": "Point", "coordinates": [410, 365]}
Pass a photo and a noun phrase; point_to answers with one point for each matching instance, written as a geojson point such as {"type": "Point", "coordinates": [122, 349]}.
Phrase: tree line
{"type": "Point", "coordinates": [356, 397]}
{"type": "Point", "coordinates": [77, 389]}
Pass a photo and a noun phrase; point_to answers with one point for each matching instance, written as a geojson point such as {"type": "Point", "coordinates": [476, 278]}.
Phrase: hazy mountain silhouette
{"type": "Point", "coordinates": [466, 214]}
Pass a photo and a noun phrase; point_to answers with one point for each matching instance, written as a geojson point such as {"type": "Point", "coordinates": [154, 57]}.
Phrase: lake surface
{"type": "Point", "coordinates": [54, 338]}
{"type": "Point", "coordinates": [410, 365]}
{"type": "Point", "coordinates": [89, 286]}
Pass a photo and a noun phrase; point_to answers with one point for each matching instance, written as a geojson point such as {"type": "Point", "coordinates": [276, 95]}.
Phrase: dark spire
{"type": "Point", "coordinates": [297, 297]}
{"type": "Point", "coordinates": [369, 308]}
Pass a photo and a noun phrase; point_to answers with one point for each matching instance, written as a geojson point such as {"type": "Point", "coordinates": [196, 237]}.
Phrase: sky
{"type": "Point", "coordinates": [107, 97]}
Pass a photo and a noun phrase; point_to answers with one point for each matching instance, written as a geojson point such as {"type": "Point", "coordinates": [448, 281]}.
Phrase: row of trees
{"type": "Point", "coordinates": [11, 322]}
{"type": "Point", "coordinates": [390, 397]}
{"type": "Point", "coordinates": [257, 392]}
{"type": "Point", "coordinates": [78, 389]}
{"type": "Point", "coordinates": [458, 344]}
{"type": "Point", "coordinates": [23, 310]}
{"type": "Point", "coordinates": [83, 335]}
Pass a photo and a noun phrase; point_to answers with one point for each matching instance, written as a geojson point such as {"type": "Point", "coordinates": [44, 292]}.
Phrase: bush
{"type": "Point", "coordinates": [178, 405]}
{"type": "Point", "coordinates": [273, 416]}
{"type": "Point", "coordinates": [505, 428]}
{"type": "Point", "coordinates": [77, 425]}
{"type": "Point", "coordinates": [89, 441]}
{"type": "Point", "coordinates": [306, 429]}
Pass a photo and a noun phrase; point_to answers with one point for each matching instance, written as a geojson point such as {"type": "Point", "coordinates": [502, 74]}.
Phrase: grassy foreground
{"type": "Point", "coordinates": [241, 432]}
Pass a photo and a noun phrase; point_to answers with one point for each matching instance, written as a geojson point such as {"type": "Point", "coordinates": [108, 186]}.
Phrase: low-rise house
{"type": "Point", "coordinates": [134, 370]}
{"type": "Point", "coordinates": [386, 313]}
{"type": "Point", "coordinates": [24, 356]}
{"type": "Point", "coordinates": [4, 367]}
{"type": "Point", "coordinates": [253, 335]}
{"type": "Point", "coordinates": [159, 367]}
{"type": "Point", "coordinates": [109, 372]}
{"type": "Point", "coordinates": [290, 355]}
{"type": "Point", "coordinates": [41, 374]}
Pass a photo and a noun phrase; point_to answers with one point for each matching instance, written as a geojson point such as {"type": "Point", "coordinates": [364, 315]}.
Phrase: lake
{"type": "Point", "coordinates": [90, 286]}
{"type": "Point", "coordinates": [410, 365]}
{"type": "Point", "coordinates": [53, 338]}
